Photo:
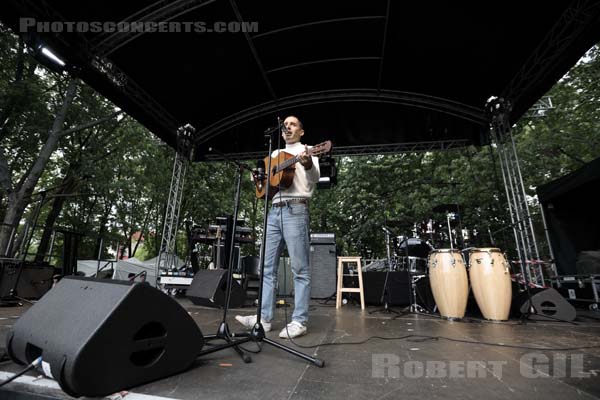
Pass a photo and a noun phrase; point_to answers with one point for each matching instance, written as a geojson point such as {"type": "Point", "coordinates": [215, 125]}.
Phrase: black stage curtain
{"type": "Point", "coordinates": [571, 207]}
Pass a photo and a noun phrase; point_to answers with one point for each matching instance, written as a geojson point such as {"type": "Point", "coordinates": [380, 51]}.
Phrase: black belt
{"type": "Point", "coordinates": [286, 203]}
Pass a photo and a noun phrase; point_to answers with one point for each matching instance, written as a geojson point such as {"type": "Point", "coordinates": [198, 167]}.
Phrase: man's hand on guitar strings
{"type": "Point", "coordinates": [305, 159]}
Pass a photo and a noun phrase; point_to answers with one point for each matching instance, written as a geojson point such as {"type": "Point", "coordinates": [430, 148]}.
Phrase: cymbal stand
{"type": "Point", "coordinates": [448, 216]}
{"type": "Point", "coordinates": [385, 294]}
{"type": "Point", "coordinates": [414, 307]}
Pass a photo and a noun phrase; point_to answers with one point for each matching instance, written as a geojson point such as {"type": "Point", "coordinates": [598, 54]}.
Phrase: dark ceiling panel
{"type": "Point", "coordinates": [324, 61]}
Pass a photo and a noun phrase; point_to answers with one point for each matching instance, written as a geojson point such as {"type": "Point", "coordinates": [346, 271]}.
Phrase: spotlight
{"type": "Point", "coordinates": [51, 56]}
{"type": "Point", "coordinates": [328, 173]}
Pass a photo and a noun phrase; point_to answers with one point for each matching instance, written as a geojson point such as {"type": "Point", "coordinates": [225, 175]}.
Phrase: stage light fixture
{"type": "Point", "coordinates": [50, 55]}
{"type": "Point", "coordinates": [328, 173]}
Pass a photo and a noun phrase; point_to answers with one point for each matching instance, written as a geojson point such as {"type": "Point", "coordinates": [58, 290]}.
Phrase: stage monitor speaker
{"type": "Point", "coordinates": [424, 295]}
{"type": "Point", "coordinates": [323, 270]}
{"type": "Point", "coordinates": [209, 289]}
{"type": "Point", "coordinates": [9, 270]}
{"type": "Point", "coordinates": [397, 286]}
{"type": "Point", "coordinates": [98, 337]}
{"type": "Point", "coordinates": [222, 257]}
{"type": "Point", "coordinates": [548, 303]}
{"type": "Point", "coordinates": [35, 281]}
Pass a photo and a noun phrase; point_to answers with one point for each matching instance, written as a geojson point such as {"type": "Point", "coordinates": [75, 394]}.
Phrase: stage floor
{"type": "Point", "coordinates": [414, 367]}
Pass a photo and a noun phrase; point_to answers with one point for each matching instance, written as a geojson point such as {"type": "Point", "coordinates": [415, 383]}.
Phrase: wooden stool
{"type": "Point", "coordinates": [340, 283]}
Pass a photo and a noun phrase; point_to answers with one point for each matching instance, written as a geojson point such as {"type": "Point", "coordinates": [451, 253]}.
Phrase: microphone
{"type": "Point", "coordinates": [260, 173]}
{"type": "Point", "coordinates": [282, 128]}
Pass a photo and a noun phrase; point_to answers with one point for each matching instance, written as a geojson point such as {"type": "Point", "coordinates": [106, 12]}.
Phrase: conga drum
{"type": "Point", "coordinates": [490, 279]}
{"type": "Point", "coordinates": [449, 283]}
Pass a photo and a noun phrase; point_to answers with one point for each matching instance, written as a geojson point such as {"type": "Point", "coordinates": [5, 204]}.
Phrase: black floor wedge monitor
{"type": "Point", "coordinates": [97, 337]}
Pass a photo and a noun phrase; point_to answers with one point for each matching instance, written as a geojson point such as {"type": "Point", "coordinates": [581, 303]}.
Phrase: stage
{"type": "Point", "coordinates": [412, 367]}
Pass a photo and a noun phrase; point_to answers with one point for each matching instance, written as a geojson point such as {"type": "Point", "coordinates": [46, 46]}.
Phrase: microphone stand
{"type": "Point", "coordinates": [223, 331]}
{"type": "Point", "coordinates": [257, 333]}
{"type": "Point", "coordinates": [385, 293]}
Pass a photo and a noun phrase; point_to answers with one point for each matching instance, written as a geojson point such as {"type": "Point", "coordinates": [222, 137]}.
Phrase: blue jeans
{"type": "Point", "coordinates": [289, 224]}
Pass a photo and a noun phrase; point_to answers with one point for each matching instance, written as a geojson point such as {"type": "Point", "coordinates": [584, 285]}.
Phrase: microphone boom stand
{"type": "Point", "coordinates": [385, 293]}
{"type": "Point", "coordinates": [257, 333]}
{"type": "Point", "coordinates": [223, 332]}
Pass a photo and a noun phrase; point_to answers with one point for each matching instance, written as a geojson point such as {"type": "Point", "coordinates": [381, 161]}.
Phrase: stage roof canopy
{"type": "Point", "coordinates": [367, 75]}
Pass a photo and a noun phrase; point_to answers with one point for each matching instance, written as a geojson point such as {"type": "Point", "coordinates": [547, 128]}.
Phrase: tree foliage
{"type": "Point", "coordinates": [110, 179]}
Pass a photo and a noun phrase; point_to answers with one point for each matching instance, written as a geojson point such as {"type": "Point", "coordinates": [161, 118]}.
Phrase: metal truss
{"type": "Point", "coordinates": [522, 224]}
{"type": "Point", "coordinates": [121, 82]}
{"type": "Point", "coordinates": [160, 11]}
{"type": "Point", "coordinates": [541, 107]}
{"type": "Point", "coordinates": [416, 100]}
{"type": "Point", "coordinates": [397, 148]}
{"type": "Point", "coordinates": [167, 257]}
{"type": "Point", "coordinates": [364, 150]}
{"type": "Point", "coordinates": [576, 19]}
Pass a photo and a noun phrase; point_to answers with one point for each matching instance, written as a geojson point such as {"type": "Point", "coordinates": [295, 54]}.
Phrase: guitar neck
{"type": "Point", "coordinates": [287, 163]}
{"type": "Point", "coordinates": [316, 150]}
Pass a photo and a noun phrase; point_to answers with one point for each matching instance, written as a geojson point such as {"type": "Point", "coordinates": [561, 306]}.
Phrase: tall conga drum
{"type": "Point", "coordinates": [489, 272]}
{"type": "Point", "coordinates": [449, 283]}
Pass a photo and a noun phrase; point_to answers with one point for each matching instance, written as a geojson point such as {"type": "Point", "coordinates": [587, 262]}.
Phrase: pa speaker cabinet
{"type": "Point", "coordinates": [222, 257]}
{"type": "Point", "coordinates": [323, 270]}
{"type": "Point", "coordinates": [9, 270]}
{"type": "Point", "coordinates": [209, 289]}
{"type": "Point", "coordinates": [97, 337]}
{"type": "Point", "coordinates": [397, 287]}
{"type": "Point", "coordinates": [548, 304]}
{"type": "Point", "coordinates": [424, 295]}
{"type": "Point", "coordinates": [35, 280]}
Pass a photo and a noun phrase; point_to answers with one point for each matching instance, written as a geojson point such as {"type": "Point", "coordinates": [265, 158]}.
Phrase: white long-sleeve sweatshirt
{"type": "Point", "coordinates": [304, 182]}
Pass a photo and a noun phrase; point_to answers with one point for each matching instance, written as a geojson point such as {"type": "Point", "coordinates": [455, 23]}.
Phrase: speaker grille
{"type": "Point", "coordinates": [323, 269]}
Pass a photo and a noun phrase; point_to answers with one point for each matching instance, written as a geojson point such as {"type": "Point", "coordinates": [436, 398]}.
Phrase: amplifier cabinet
{"type": "Point", "coordinates": [323, 269]}
{"type": "Point", "coordinates": [579, 288]}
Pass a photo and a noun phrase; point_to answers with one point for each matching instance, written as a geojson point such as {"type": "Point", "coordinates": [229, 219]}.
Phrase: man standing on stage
{"type": "Point", "coordinates": [288, 222]}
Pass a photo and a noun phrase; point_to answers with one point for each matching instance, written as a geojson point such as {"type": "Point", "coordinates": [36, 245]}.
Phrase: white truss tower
{"type": "Point", "coordinates": [522, 224]}
{"type": "Point", "coordinates": [166, 259]}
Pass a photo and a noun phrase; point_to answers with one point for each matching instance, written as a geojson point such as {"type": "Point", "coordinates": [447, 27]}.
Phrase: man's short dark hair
{"type": "Point", "coordinates": [299, 122]}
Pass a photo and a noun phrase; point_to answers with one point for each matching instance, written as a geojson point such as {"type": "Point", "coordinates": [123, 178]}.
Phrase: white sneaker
{"type": "Point", "coordinates": [292, 330]}
{"type": "Point", "coordinates": [250, 320]}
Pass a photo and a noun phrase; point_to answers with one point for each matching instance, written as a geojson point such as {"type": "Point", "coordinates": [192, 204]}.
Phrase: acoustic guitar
{"type": "Point", "coordinates": [283, 169]}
